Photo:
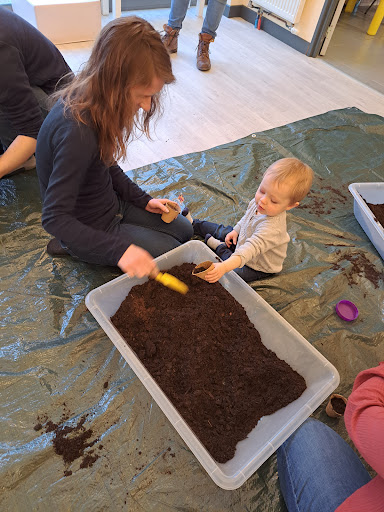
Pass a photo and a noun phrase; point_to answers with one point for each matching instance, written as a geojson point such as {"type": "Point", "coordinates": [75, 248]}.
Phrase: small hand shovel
{"type": "Point", "coordinates": [171, 282]}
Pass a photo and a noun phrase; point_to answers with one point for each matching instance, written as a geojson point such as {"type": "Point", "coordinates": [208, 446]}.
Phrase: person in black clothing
{"type": "Point", "coordinates": [95, 212]}
{"type": "Point", "coordinates": [31, 67]}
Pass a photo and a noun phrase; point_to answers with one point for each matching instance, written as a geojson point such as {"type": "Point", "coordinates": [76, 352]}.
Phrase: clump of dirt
{"type": "Point", "coordinates": [70, 442]}
{"type": "Point", "coordinates": [361, 267]}
{"type": "Point", "coordinates": [207, 357]}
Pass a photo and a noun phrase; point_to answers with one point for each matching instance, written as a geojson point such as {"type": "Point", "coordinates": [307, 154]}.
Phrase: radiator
{"type": "Point", "coordinates": [289, 10]}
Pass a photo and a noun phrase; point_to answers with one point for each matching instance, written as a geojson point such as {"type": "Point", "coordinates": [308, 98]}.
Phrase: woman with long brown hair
{"type": "Point", "coordinates": [94, 211]}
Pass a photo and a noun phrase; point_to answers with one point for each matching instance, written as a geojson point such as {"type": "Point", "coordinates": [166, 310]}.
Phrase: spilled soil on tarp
{"type": "Point", "coordinates": [207, 357]}
{"type": "Point", "coordinates": [359, 266]}
{"type": "Point", "coordinates": [70, 441]}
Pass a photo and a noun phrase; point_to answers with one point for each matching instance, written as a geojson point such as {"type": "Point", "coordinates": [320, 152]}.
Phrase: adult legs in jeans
{"type": "Point", "coordinates": [317, 469]}
{"type": "Point", "coordinates": [143, 229]}
{"type": "Point", "coordinates": [7, 132]}
{"type": "Point", "coordinates": [212, 18]}
{"type": "Point", "coordinates": [148, 231]}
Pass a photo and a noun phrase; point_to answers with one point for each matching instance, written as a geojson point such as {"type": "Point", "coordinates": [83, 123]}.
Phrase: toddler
{"type": "Point", "coordinates": [257, 246]}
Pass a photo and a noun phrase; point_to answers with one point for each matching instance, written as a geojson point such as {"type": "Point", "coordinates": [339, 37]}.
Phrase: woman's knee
{"type": "Point", "coordinates": [181, 229]}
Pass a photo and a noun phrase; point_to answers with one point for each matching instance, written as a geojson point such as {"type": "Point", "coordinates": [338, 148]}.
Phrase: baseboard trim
{"type": "Point", "coordinates": [241, 11]}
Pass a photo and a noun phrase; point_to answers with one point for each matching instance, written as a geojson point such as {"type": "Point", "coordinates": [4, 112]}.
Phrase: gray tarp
{"type": "Point", "coordinates": [55, 360]}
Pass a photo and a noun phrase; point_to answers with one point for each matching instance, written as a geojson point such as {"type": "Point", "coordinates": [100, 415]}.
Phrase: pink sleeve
{"type": "Point", "coordinates": [364, 419]}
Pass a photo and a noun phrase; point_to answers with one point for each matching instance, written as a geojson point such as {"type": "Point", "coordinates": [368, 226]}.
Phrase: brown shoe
{"type": "Point", "coordinates": [203, 63]}
{"type": "Point", "coordinates": [170, 38]}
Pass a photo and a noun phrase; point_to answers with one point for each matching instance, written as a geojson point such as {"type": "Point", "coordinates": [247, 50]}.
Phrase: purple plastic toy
{"type": "Point", "coordinates": [347, 310]}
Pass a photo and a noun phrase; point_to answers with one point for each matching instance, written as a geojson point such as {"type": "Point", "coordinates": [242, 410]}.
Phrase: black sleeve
{"type": "Point", "coordinates": [70, 163]}
{"type": "Point", "coordinates": [127, 189]}
{"type": "Point", "coordinates": [17, 100]}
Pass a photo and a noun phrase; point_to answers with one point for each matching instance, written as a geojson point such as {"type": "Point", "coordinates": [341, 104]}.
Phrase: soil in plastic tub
{"type": "Point", "coordinates": [378, 212]}
{"type": "Point", "coordinates": [207, 357]}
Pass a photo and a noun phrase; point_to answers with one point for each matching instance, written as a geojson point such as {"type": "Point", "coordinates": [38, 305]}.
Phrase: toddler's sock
{"type": "Point", "coordinates": [212, 242]}
{"type": "Point", "coordinates": [186, 214]}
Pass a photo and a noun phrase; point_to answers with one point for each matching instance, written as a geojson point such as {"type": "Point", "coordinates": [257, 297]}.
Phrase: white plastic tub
{"type": "Point", "coordinates": [373, 193]}
{"type": "Point", "coordinates": [276, 334]}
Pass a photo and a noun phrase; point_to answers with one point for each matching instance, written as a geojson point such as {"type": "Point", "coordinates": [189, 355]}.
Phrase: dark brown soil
{"type": "Point", "coordinates": [70, 442]}
{"type": "Point", "coordinates": [338, 405]}
{"type": "Point", "coordinates": [207, 357]}
{"type": "Point", "coordinates": [378, 212]}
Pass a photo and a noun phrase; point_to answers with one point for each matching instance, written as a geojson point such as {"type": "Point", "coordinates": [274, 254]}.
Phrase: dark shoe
{"type": "Point", "coordinates": [170, 38]}
{"type": "Point", "coordinates": [185, 213]}
{"type": "Point", "coordinates": [54, 248]}
{"type": "Point", "coordinates": [203, 62]}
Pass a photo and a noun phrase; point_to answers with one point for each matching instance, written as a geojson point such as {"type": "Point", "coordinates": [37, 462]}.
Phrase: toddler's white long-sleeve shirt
{"type": "Point", "coordinates": [262, 242]}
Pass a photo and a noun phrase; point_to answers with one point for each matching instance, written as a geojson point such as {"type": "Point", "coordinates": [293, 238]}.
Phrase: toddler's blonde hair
{"type": "Point", "coordinates": [293, 170]}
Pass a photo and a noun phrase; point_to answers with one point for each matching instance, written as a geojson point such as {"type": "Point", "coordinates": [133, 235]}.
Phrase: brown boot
{"type": "Point", "coordinates": [170, 38]}
{"type": "Point", "coordinates": [203, 63]}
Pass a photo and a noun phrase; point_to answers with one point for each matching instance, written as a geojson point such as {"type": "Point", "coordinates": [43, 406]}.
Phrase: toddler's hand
{"type": "Point", "coordinates": [231, 238]}
{"type": "Point", "coordinates": [216, 273]}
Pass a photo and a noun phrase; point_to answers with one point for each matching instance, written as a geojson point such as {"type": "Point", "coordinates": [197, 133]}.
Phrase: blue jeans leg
{"type": "Point", "coordinates": [317, 469]}
{"type": "Point", "coordinates": [203, 227]}
{"type": "Point", "coordinates": [143, 229]}
{"type": "Point", "coordinates": [213, 16]}
{"type": "Point", "coordinates": [7, 132]}
{"type": "Point", "coordinates": [178, 12]}
{"type": "Point", "coordinates": [148, 231]}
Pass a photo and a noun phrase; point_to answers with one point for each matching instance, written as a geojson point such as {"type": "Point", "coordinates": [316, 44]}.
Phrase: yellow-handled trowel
{"type": "Point", "coordinates": [171, 282]}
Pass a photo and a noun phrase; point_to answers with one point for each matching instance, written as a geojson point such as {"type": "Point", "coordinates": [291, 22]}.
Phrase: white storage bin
{"type": "Point", "coordinates": [276, 334]}
{"type": "Point", "coordinates": [373, 193]}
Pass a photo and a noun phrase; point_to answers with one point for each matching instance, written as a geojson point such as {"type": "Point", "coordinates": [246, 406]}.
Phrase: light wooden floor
{"type": "Point", "coordinates": [256, 83]}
